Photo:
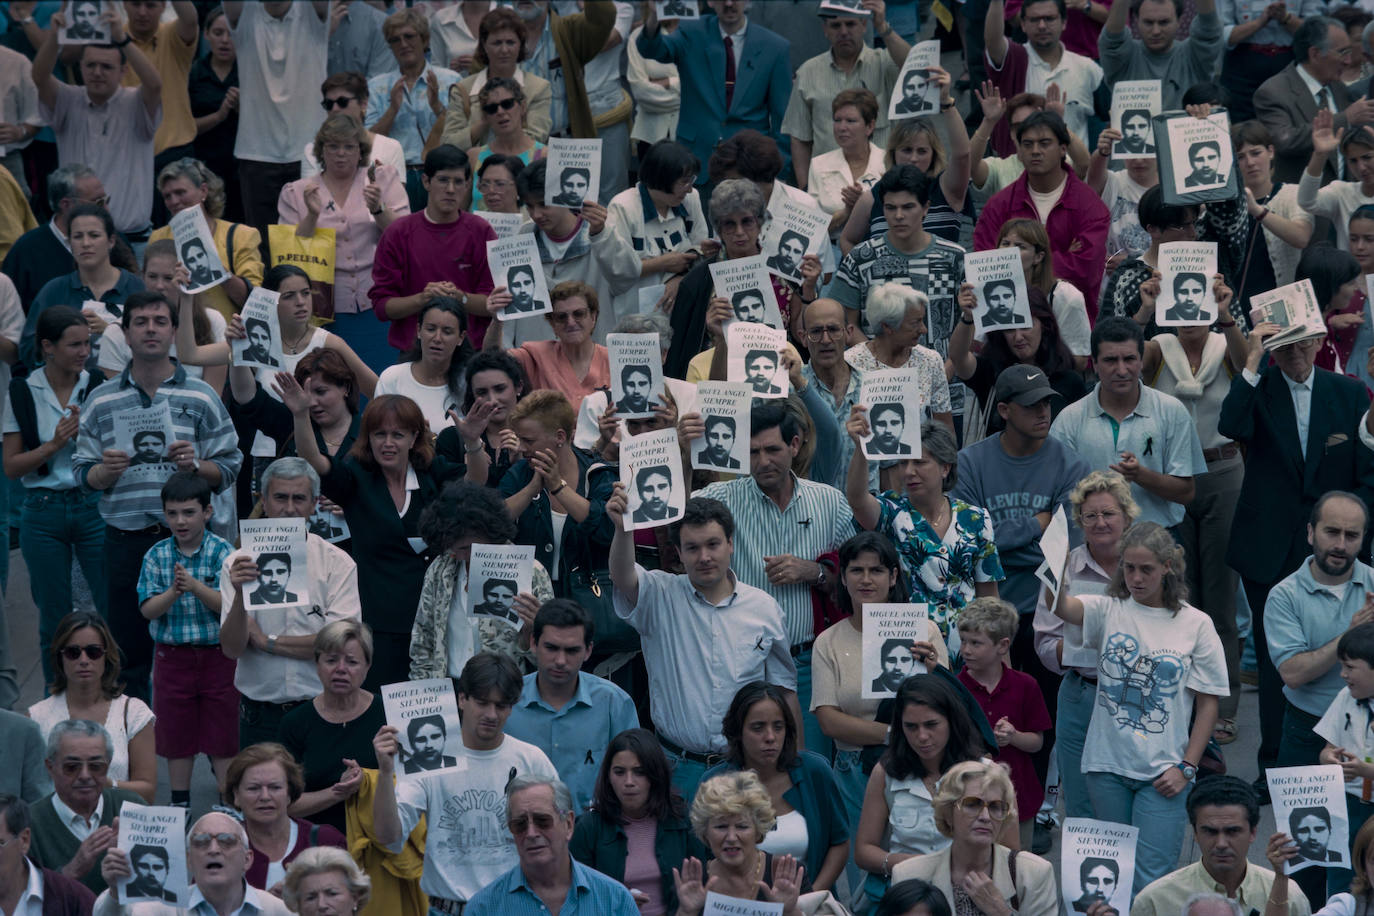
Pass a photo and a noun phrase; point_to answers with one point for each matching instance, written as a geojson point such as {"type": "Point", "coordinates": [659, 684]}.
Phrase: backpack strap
{"type": "Point", "coordinates": [25, 413]}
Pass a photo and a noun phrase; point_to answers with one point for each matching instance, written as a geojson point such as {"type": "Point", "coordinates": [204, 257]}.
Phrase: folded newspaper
{"type": "Point", "coordinates": [1294, 309]}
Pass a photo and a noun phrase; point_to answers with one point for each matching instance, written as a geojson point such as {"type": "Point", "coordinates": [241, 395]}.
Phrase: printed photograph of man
{"type": "Point", "coordinates": [572, 187]}
{"type": "Point", "coordinates": [520, 282]}
{"type": "Point", "coordinates": [791, 249]}
{"type": "Point", "coordinates": [1097, 880]}
{"type": "Point", "coordinates": [748, 305]}
{"type": "Point", "coordinates": [759, 368]}
{"type": "Point", "coordinates": [678, 8]}
{"type": "Point", "coordinates": [1000, 295]}
{"type": "Point", "coordinates": [898, 664]}
{"type": "Point", "coordinates": [83, 23]}
{"type": "Point", "coordinates": [427, 736]}
{"type": "Point", "coordinates": [149, 447]}
{"type": "Point", "coordinates": [1204, 157]}
{"type": "Point", "coordinates": [1189, 291]}
{"type": "Point", "coordinates": [197, 261]}
{"type": "Point", "coordinates": [259, 349]}
{"type": "Point", "coordinates": [498, 599]}
{"type": "Point", "coordinates": [1135, 133]}
{"type": "Point", "coordinates": [151, 865]}
{"type": "Point", "coordinates": [654, 484]}
{"type": "Point", "coordinates": [888, 421]}
{"type": "Point", "coordinates": [720, 439]}
{"type": "Point", "coordinates": [1310, 827]}
{"type": "Point", "coordinates": [914, 93]}
{"type": "Point", "coordinates": [274, 571]}
{"type": "Point", "coordinates": [634, 382]}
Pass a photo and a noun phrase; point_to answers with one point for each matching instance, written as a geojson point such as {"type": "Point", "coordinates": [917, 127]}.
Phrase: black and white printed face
{"type": "Point", "coordinates": [1314, 836]}
{"type": "Point", "coordinates": [655, 490]}
{"type": "Point", "coordinates": [1188, 295]}
{"type": "Point", "coordinates": [1205, 161]}
{"type": "Point", "coordinates": [499, 595]}
{"type": "Point", "coordinates": [1099, 883]}
{"type": "Point", "coordinates": [573, 187]}
{"type": "Point", "coordinates": [1135, 133]}
{"type": "Point", "coordinates": [898, 665]}
{"type": "Point", "coordinates": [428, 747]}
{"type": "Point", "coordinates": [1001, 303]}
{"type": "Point", "coordinates": [260, 337]}
{"type": "Point", "coordinates": [914, 89]}
{"type": "Point", "coordinates": [791, 250]}
{"type": "Point", "coordinates": [149, 447]}
{"type": "Point", "coordinates": [150, 874]}
{"type": "Point", "coordinates": [759, 372]}
{"type": "Point", "coordinates": [636, 391]}
{"type": "Point", "coordinates": [521, 283]}
{"type": "Point", "coordinates": [272, 576]}
{"type": "Point", "coordinates": [749, 307]}
{"type": "Point", "coordinates": [198, 263]}
{"type": "Point", "coordinates": [888, 424]}
{"type": "Point", "coordinates": [720, 440]}
{"type": "Point", "coordinates": [85, 22]}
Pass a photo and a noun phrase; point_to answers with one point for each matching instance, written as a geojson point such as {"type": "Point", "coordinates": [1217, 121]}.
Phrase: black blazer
{"type": "Point", "coordinates": [1269, 533]}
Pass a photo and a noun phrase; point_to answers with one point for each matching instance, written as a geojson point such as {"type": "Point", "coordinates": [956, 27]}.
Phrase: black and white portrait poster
{"type": "Point", "coordinates": [1309, 806]}
{"type": "Point", "coordinates": [497, 573]}
{"type": "Point", "coordinates": [1134, 103]}
{"type": "Point", "coordinates": [277, 546]}
{"type": "Point", "coordinates": [426, 715]}
{"type": "Point", "coordinates": [894, 414]}
{"type": "Point", "coordinates": [196, 249]}
{"type": "Point", "coordinates": [677, 9]}
{"type": "Point", "coordinates": [84, 25]}
{"type": "Point", "coordinates": [795, 230]}
{"type": "Point", "coordinates": [651, 470]}
{"type": "Point", "coordinates": [754, 356]}
{"type": "Point", "coordinates": [261, 348]}
{"type": "Point", "coordinates": [888, 634]}
{"type": "Point", "coordinates": [723, 905]}
{"type": "Point", "coordinates": [917, 94]}
{"type": "Point", "coordinates": [724, 409]}
{"type": "Point", "coordinates": [574, 173]}
{"type": "Point", "coordinates": [505, 225]}
{"type": "Point", "coordinates": [999, 284]}
{"type": "Point", "coordinates": [746, 285]}
{"type": "Point", "coordinates": [1185, 285]}
{"type": "Point", "coordinates": [145, 436]}
{"type": "Point", "coordinates": [515, 264]}
{"type": "Point", "coordinates": [636, 374]}
{"type": "Point", "coordinates": [1097, 864]}
{"type": "Point", "coordinates": [844, 8]}
{"type": "Point", "coordinates": [1199, 153]}
{"type": "Point", "coordinates": [325, 524]}
{"type": "Point", "coordinates": [1294, 308]}
{"type": "Point", "coordinates": [155, 839]}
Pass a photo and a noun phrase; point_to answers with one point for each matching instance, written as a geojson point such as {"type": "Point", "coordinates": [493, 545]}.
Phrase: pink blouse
{"type": "Point", "coordinates": [547, 367]}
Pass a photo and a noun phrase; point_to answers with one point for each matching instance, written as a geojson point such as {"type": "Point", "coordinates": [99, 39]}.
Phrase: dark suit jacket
{"type": "Point", "coordinates": [1269, 533]}
{"type": "Point", "coordinates": [1285, 106]}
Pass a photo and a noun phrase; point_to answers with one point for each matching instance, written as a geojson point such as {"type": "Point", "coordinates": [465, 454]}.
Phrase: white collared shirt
{"type": "Point", "coordinates": [1302, 401]}
{"type": "Point", "coordinates": [738, 40]}
{"type": "Point", "coordinates": [31, 900]}
{"type": "Point", "coordinates": [80, 827]}
{"type": "Point", "coordinates": [66, 242]}
{"type": "Point", "coordinates": [1316, 88]}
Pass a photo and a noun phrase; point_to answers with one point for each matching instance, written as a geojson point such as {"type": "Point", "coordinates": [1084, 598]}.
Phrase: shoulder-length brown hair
{"type": "Point", "coordinates": [406, 414]}
{"type": "Point", "coordinates": [500, 19]}
{"type": "Point", "coordinates": [110, 686]}
{"type": "Point", "coordinates": [331, 368]}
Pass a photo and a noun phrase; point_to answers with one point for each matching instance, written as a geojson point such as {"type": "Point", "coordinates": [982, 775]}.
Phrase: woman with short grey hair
{"type": "Point", "coordinates": [897, 314]}
{"type": "Point", "coordinates": [319, 877]}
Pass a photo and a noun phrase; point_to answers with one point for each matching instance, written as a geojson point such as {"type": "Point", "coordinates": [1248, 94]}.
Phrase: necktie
{"type": "Point", "coordinates": [729, 70]}
{"type": "Point", "coordinates": [1322, 96]}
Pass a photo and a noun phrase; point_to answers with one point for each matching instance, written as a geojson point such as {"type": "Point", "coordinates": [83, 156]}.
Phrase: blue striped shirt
{"type": "Point", "coordinates": [198, 416]}
{"type": "Point", "coordinates": [187, 622]}
{"type": "Point", "coordinates": [591, 894]}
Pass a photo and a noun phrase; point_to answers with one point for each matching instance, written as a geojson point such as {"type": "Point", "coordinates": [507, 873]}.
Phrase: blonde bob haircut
{"type": "Point", "coordinates": [336, 635]}
{"type": "Point", "coordinates": [1104, 482]}
{"type": "Point", "coordinates": [550, 409]}
{"type": "Point", "coordinates": [954, 786]}
{"type": "Point", "coordinates": [319, 860]}
{"type": "Point", "coordinates": [731, 794]}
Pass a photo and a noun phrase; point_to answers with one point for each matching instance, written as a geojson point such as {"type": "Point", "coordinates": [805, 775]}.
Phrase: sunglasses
{"type": "Point", "coordinates": [203, 840]}
{"type": "Point", "coordinates": [93, 652]}
{"type": "Point", "coordinates": [503, 105]}
{"type": "Point", "coordinates": [73, 767]}
{"type": "Point", "coordinates": [973, 806]}
{"type": "Point", "coordinates": [518, 825]}
{"type": "Point", "coordinates": [342, 101]}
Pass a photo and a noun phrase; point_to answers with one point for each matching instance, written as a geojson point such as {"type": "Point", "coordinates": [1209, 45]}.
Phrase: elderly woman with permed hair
{"type": "Point", "coordinates": [974, 872]}
{"type": "Point", "coordinates": [897, 313]}
{"type": "Point", "coordinates": [325, 881]}
{"type": "Point", "coordinates": [732, 814]}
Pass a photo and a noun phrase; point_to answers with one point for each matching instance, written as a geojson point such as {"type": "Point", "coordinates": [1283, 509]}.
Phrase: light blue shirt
{"type": "Point", "coordinates": [1160, 432]}
{"type": "Point", "coordinates": [1301, 393]}
{"type": "Point", "coordinates": [574, 737]}
{"type": "Point", "coordinates": [1301, 615]}
{"type": "Point", "coordinates": [840, 409]}
{"type": "Point", "coordinates": [591, 894]}
{"type": "Point", "coordinates": [48, 413]}
{"type": "Point", "coordinates": [414, 117]}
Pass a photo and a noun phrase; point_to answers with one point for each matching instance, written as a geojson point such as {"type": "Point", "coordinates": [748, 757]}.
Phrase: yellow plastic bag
{"type": "Point", "coordinates": [315, 256]}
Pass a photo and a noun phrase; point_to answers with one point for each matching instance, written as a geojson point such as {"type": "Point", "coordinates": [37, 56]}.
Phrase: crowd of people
{"type": "Point", "coordinates": [698, 694]}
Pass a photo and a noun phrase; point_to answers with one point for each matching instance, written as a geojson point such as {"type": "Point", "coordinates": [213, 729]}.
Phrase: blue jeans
{"type": "Point", "coordinates": [1076, 698]}
{"type": "Point", "coordinates": [366, 334]}
{"type": "Point", "coordinates": [852, 783]}
{"type": "Point", "coordinates": [1162, 821]}
{"type": "Point", "coordinates": [686, 774]}
{"type": "Point", "coordinates": [54, 525]}
{"type": "Point", "coordinates": [816, 740]}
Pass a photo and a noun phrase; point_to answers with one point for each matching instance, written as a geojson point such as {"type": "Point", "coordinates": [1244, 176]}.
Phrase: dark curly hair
{"type": "Point", "coordinates": [466, 510]}
{"type": "Point", "coordinates": [494, 361]}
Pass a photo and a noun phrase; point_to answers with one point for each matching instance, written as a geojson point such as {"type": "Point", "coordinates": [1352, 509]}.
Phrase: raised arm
{"type": "Point", "coordinates": [150, 81]}
{"type": "Point", "coordinates": [960, 342]}
{"type": "Point", "coordinates": [1102, 157]}
{"type": "Point", "coordinates": [296, 401]}
{"type": "Point", "coordinates": [994, 106]}
{"type": "Point", "coordinates": [624, 576]}
{"type": "Point", "coordinates": [954, 179]}
{"type": "Point", "coordinates": [995, 32]}
{"type": "Point", "coordinates": [1119, 16]}
{"type": "Point", "coordinates": [45, 60]}
{"type": "Point", "coordinates": [867, 510]}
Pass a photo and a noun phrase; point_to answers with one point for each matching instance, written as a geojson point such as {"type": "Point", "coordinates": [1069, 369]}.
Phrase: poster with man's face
{"type": "Point", "coordinates": [84, 23]}
{"type": "Point", "coordinates": [497, 574]}
{"type": "Point", "coordinates": [636, 374]}
{"type": "Point", "coordinates": [795, 230]}
{"type": "Point", "coordinates": [1097, 864]}
{"type": "Point", "coordinates": [651, 472]}
{"type": "Point", "coordinates": [425, 714]}
{"type": "Point", "coordinates": [999, 285]}
{"type": "Point", "coordinates": [278, 547]}
{"type": "Point", "coordinates": [1134, 105]}
{"type": "Point", "coordinates": [745, 284]}
{"type": "Point", "coordinates": [754, 356]}
{"type": "Point", "coordinates": [1309, 806]}
{"type": "Point", "coordinates": [515, 264]}
{"type": "Point", "coordinates": [574, 172]}
{"type": "Point", "coordinates": [261, 348]}
{"type": "Point", "coordinates": [155, 840]}
{"type": "Point", "coordinates": [196, 249]}
{"type": "Point", "coordinates": [894, 414]}
{"type": "Point", "coordinates": [917, 94]}
{"type": "Point", "coordinates": [890, 632]}
{"type": "Point", "coordinates": [146, 435]}
{"type": "Point", "coordinates": [724, 409]}
{"type": "Point", "coordinates": [1185, 287]}
{"type": "Point", "coordinates": [677, 9]}
{"type": "Point", "coordinates": [1200, 154]}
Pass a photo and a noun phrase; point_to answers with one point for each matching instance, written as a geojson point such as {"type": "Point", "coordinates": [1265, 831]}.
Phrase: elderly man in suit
{"type": "Point", "coordinates": [1287, 102]}
{"type": "Point", "coordinates": [1301, 427]}
{"type": "Point", "coordinates": [734, 75]}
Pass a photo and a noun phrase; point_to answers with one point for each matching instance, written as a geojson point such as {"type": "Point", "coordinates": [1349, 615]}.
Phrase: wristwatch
{"type": "Point", "coordinates": [1189, 771]}
{"type": "Point", "coordinates": [272, 644]}
{"type": "Point", "coordinates": [820, 579]}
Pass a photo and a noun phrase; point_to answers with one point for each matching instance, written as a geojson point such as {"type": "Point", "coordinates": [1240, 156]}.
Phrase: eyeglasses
{"type": "Point", "coordinates": [518, 825]}
{"type": "Point", "coordinates": [974, 806]}
{"type": "Point", "coordinates": [831, 330]}
{"type": "Point", "coordinates": [225, 840]}
{"type": "Point", "coordinates": [93, 652]}
{"type": "Point", "coordinates": [503, 105]}
{"type": "Point", "coordinates": [577, 315]}
{"type": "Point", "coordinates": [342, 101]}
{"type": "Point", "coordinates": [1093, 518]}
{"type": "Point", "coordinates": [98, 767]}
{"type": "Point", "coordinates": [494, 184]}
{"type": "Point", "coordinates": [402, 36]}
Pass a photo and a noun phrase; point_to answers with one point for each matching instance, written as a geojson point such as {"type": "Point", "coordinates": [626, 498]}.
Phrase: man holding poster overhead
{"type": "Point", "coordinates": [1157, 54]}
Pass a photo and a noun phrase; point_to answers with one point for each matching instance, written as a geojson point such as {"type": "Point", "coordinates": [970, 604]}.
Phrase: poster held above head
{"type": "Point", "coordinates": [754, 356]}
{"type": "Point", "coordinates": [999, 285]}
{"type": "Point", "coordinates": [894, 414]}
{"type": "Point", "coordinates": [795, 230]}
{"type": "Point", "coordinates": [651, 472]}
{"type": "Point", "coordinates": [497, 573]}
{"type": "Point", "coordinates": [677, 9]}
{"type": "Point", "coordinates": [725, 414]}
{"type": "Point", "coordinates": [325, 524]}
{"type": "Point", "coordinates": [154, 838]}
{"type": "Point", "coordinates": [1294, 308]}
{"type": "Point", "coordinates": [1097, 864]}
{"type": "Point", "coordinates": [278, 547]}
{"type": "Point", "coordinates": [844, 8]}
{"type": "Point", "coordinates": [1196, 159]}
{"type": "Point", "coordinates": [745, 284]}
{"type": "Point", "coordinates": [1309, 806]}
{"type": "Point", "coordinates": [889, 632]}
{"type": "Point", "coordinates": [425, 713]}
{"type": "Point", "coordinates": [917, 93]}
{"type": "Point", "coordinates": [636, 374]}
{"type": "Point", "coordinates": [84, 24]}
{"type": "Point", "coordinates": [196, 249]}
{"type": "Point", "coordinates": [1134, 105]}
{"type": "Point", "coordinates": [262, 348]}
{"type": "Point", "coordinates": [1185, 287]}
{"type": "Point", "coordinates": [574, 173]}
{"type": "Point", "coordinates": [515, 264]}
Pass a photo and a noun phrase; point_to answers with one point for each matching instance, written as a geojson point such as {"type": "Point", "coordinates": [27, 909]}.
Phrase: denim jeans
{"type": "Point", "coordinates": [123, 560]}
{"type": "Point", "coordinates": [1162, 821]}
{"type": "Point", "coordinates": [816, 740]}
{"type": "Point", "coordinates": [54, 526]}
{"type": "Point", "coordinates": [852, 783]}
{"type": "Point", "coordinates": [686, 774]}
{"type": "Point", "coordinates": [1076, 698]}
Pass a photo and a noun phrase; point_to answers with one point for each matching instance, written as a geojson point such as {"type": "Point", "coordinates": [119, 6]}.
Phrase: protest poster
{"type": "Point", "coordinates": [636, 374]}
{"type": "Point", "coordinates": [1097, 864]}
{"type": "Point", "coordinates": [497, 573]}
{"type": "Point", "coordinates": [425, 715]}
{"type": "Point", "coordinates": [677, 9]}
{"type": "Point", "coordinates": [724, 409]}
{"type": "Point", "coordinates": [515, 264]}
{"type": "Point", "coordinates": [325, 524]}
{"type": "Point", "coordinates": [888, 395]}
{"type": "Point", "coordinates": [1309, 806]}
{"type": "Point", "coordinates": [154, 837]}
{"type": "Point", "coordinates": [920, 94]}
{"type": "Point", "coordinates": [574, 172]}
{"type": "Point", "coordinates": [261, 349]}
{"type": "Point", "coordinates": [721, 905]}
{"type": "Point", "coordinates": [651, 471]}
{"type": "Point", "coordinates": [1134, 105]}
{"type": "Point", "coordinates": [145, 436]}
{"type": "Point", "coordinates": [745, 284]}
{"type": "Point", "coordinates": [277, 546]}
{"type": "Point", "coordinates": [1196, 157]}
{"type": "Point", "coordinates": [505, 225]}
{"type": "Point", "coordinates": [844, 8]}
{"type": "Point", "coordinates": [196, 249]}
{"type": "Point", "coordinates": [84, 24]}
{"type": "Point", "coordinates": [999, 285]}
{"type": "Point", "coordinates": [1294, 308]}
{"type": "Point", "coordinates": [888, 634]}
{"type": "Point", "coordinates": [1185, 284]}
{"type": "Point", "coordinates": [754, 356]}
{"type": "Point", "coordinates": [794, 230]}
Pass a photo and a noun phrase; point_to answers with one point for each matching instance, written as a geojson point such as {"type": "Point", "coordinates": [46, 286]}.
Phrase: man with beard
{"type": "Point", "coordinates": [1310, 827]}
{"type": "Point", "coordinates": [572, 188]}
{"type": "Point", "coordinates": [151, 865]}
{"type": "Point", "coordinates": [1000, 296]}
{"type": "Point", "coordinates": [1205, 159]}
{"type": "Point", "coordinates": [898, 664]}
{"type": "Point", "coordinates": [197, 261]}
{"type": "Point", "coordinates": [274, 571]}
{"type": "Point", "coordinates": [791, 249]}
{"type": "Point", "coordinates": [85, 25]}
{"type": "Point", "coordinates": [259, 348]}
{"type": "Point", "coordinates": [913, 101]}
{"type": "Point", "coordinates": [1189, 291]}
{"type": "Point", "coordinates": [888, 421]}
{"type": "Point", "coordinates": [635, 382]}
{"type": "Point", "coordinates": [149, 447]}
{"type": "Point", "coordinates": [520, 280]}
{"type": "Point", "coordinates": [720, 441]}
{"type": "Point", "coordinates": [759, 367]}
{"type": "Point", "coordinates": [655, 487]}
{"type": "Point", "coordinates": [427, 736]}
{"type": "Point", "coordinates": [1097, 878]}
{"type": "Point", "coordinates": [1135, 133]}
{"type": "Point", "coordinates": [748, 305]}
{"type": "Point", "coordinates": [498, 599]}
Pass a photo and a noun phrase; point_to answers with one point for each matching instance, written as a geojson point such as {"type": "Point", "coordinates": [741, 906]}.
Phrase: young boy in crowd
{"type": "Point", "coordinates": [1346, 724]}
{"type": "Point", "coordinates": [1010, 699]}
{"type": "Point", "coordinates": [193, 681]}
